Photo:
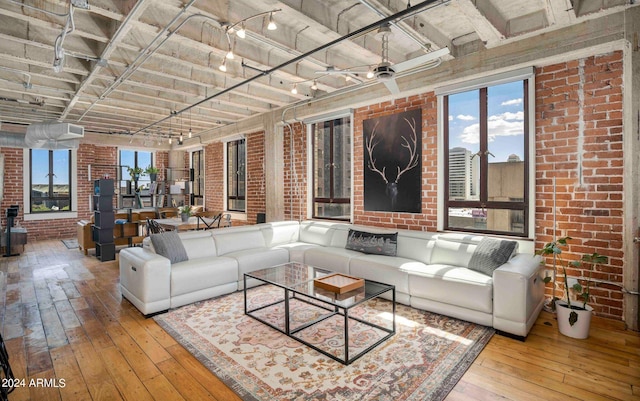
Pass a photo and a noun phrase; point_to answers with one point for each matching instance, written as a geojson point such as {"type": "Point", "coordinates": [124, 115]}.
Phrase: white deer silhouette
{"type": "Point", "coordinates": [411, 144]}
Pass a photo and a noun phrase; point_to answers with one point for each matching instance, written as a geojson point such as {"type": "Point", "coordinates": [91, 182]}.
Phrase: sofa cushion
{"type": "Point", "coordinates": [452, 285]}
{"type": "Point", "coordinates": [490, 254]}
{"type": "Point", "coordinates": [330, 258]}
{"type": "Point", "coordinates": [169, 245]}
{"type": "Point", "coordinates": [373, 243]}
{"type": "Point", "coordinates": [453, 251]}
{"type": "Point", "coordinates": [198, 244]}
{"type": "Point", "coordinates": [198, 274]}
{"type": "Point", "coordinates": [228, 242]}
{"type": "Point", "coordinates": [258, 258]}
{"type": "Point", "coordinates": [388, 270]}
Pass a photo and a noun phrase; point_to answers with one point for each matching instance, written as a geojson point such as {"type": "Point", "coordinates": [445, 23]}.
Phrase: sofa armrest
{"type": "Point", "coordinates": [518, 294]}
{"type": "Point", "coordinates": [145, 279]}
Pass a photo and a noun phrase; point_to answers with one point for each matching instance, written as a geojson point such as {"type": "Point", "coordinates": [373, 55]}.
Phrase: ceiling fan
{"type": "Point", "coordinates": [385, 72]}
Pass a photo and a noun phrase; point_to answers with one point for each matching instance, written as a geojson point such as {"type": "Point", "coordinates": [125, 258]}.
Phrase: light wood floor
{"type": "Point", "coordinates": [63, 318]}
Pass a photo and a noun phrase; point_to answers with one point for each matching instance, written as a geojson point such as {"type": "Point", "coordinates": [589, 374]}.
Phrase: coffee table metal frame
{"type": "Point", "coordinates": [295, 290]}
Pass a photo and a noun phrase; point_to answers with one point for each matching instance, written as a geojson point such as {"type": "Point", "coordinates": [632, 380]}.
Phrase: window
{"type": "Point", "coordinates": [132, 186]}
{"type": "Point", "coordinates": [486, 159]}
{"type": "Point", "coordinates": [197, 164]}
{"type": "Point", "coordinates": [236, 171]}
{"type": "Point", "coordinates": [50, 180]}
{"type": "Point", "coordinates": [331, 143]}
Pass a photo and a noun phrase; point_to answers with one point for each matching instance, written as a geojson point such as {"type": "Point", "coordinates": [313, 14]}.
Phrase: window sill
{"type": "Point", "coordinates": [50, 216]}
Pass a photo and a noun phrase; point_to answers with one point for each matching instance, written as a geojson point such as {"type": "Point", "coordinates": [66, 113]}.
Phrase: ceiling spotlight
{"type": "Point", "coordinates": [241, 32]}
{"type": "Point", "coordinates": [314, 85]}
{"type": "Point", "coordinates": [294, 90]}
{"type": "Point", "coordinates": [223, 66]}
{"type": "Point", "coordinates": [347, 78]}
{"type": "Point", "coordinates": [170, 140]}
{"type": "Point", "coordinates": [190, 133]}
{"type": "Point", "coordinates": [370, 73]}
{"type": "Point", "coordinates": [272, 25]}
{"type": "Point", "coordinates": [230, 53]}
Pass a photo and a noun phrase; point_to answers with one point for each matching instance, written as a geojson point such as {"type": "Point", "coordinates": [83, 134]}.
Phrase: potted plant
{"type": "Point", "coordinates": [185, 212]}
{"type": "Point", "coordinates": [574, 319]}
{"type": "Point", "coordinates": [152, 172]}
{"type": "Point", "coordinates": [135, 172]}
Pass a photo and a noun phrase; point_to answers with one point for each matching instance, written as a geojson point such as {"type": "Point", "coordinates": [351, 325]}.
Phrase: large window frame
{"type": "Point", "coordinates": [50, 196]}
{"type": "Point", "coordinates": [236, 173]}
{"type": "Point", "coordinates": [128, 185]}
{"type": "Point", "coordinates": [197, 165]}
{"type": "Point", "coordinates": [331, 200]}
{"type": "Point", "coordinates": [517, 207]}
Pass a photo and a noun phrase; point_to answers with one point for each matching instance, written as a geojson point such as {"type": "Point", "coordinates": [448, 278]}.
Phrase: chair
{"type": "Point", "coordinates": [167, 212]}
{"type": "Point", "coordinates": [153, 227]}
{"type": "Point", "coordinates": [225, 221]}
{"type": "Point", "coordinates": [210, 219]}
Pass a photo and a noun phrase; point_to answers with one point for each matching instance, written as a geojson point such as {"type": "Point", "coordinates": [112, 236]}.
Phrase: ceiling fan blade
{"type": "Point", "coordinates": [415, 62]}
{"type": "Point", "coordinates": [335, 71]}
{"type": "Point", "coordinates": [391, 85]}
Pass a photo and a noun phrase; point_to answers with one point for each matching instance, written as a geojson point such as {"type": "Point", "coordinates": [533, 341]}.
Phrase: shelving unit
{"type": "Point", "coordinates": [103, 216]}
{"type": "Point", "coordinates": [179, 186]}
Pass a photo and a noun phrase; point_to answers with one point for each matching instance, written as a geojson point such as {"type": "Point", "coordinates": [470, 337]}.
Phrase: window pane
{"type": "Point", "coordinates": [464, 144]}
{"type": "Point", "coordinates": [60, 173]}
{"type": "Point", "coordinates": [241, 168]}
{"type": "Point", "coordinates": [498, 220]}
{"type": "Point", "coordinates": [231, 169]}
{"type": "Point", "coordinates": [342, 159]}
{"type": "Point", "coordinates": [505, 135]}
{"type": "Point", "coordinates": [332, 210]}
{"type": "Point", "coordinates": [322, 142]}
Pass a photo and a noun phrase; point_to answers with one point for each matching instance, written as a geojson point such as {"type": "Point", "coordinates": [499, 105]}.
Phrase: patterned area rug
{"type": "Point", "coordinates": [423, 361]}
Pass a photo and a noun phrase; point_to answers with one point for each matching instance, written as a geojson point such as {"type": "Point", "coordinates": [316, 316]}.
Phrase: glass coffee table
{"type": "Point", "coordinates": [311, 315]}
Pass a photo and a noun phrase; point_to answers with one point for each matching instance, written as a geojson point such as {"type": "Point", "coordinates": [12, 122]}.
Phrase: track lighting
{"type": "Point", "coordinates": [370, 73]}
{"type": "Point", "coordinates": [314, 85]}
{"type": "Point", "coordinates": [223, 66]}
{"type": "Point", "coordinates": [272, 25]}
{"type": "Point", "coordinates": [170, 140]}
{"type": "Point", "coordinates": [190, 133]}
{"type": "Point", "coordinates": [241, 32]}
{"type": "Point", "coordinates": [294, 90]}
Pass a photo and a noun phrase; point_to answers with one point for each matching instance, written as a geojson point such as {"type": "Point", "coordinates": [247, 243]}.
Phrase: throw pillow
{"type": "Point", "coordinates": [169, 245]}
{"type": "Point", "coordinates": [377, 244]}
{"type": "Point", "coordinates": [490, 254]}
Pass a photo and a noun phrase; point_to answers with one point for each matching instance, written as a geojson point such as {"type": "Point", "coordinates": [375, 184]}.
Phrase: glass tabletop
{"type": "Point", "coordinates": [299, 277]}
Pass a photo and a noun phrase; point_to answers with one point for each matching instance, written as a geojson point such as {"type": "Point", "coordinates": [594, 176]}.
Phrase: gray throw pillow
{"type": "Point", "coordinates": [169, 245]}
{"type": "Point", "coordinates": [372, 243]}
{"type": "Point", "coordinates": [490, 254]}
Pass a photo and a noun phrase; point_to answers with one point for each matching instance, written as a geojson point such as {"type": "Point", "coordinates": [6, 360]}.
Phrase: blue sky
{"type": "Point", "coordinates": [40, 166]}
{"type": "Point", "coordinates": [506, 121]}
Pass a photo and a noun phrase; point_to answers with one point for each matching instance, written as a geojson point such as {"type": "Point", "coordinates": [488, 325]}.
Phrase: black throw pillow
{"type": "Point", "coordinates": [377, 244]}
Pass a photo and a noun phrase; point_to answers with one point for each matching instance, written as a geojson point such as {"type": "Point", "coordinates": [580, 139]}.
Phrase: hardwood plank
{"type": "Point", "coordinates": [161, 389]}
{"type": "Point", "coordinates": [151, 347]}
{"type": "Point", "coordinates": [185, 383]}
{"type": "Point", "coordinates": [123, 376]}
{"type": "Point", "coordinates": [465, 391]}
{"type": "Point", "coordinates": [66, 368]}
{"type": "Point", "coordinates": [43, 386]}
{"type": "Point", "coordinates": [18, 361]}
{"type": "Point", "coordinates": [94, 373]}
{"type": "Point", "coordinates": [142, 366]}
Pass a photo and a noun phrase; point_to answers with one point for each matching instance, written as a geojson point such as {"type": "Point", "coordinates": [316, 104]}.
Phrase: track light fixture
{"type": "Point", "coordinates": [314, 85]}
{"type": "Point", "coordinates": [272, 25]}
{"type": "Point", "coordinates": [294, 90]}
{"type": "Point", "coordinates": [223, 65]}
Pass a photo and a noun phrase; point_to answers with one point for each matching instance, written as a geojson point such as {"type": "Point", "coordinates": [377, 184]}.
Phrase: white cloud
{"type": "Point", "coordinates": [465, 118]}
{"type": "Point", "coordinates": [506, 124]}
{"type": "Point", "coordinates": [512, 102]}
{"type": "Point", "coordinates": [450, 118]}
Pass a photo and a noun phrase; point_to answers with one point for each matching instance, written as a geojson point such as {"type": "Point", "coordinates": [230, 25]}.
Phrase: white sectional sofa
{"type": "Point", "coordinates": [430, 270]}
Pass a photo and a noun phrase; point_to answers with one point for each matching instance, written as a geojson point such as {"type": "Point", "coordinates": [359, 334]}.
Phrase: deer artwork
{"type": "Point", "coordinates": [410, 144]}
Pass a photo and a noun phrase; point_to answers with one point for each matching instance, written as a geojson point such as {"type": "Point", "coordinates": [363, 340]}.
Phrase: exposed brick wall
{"type": "Point", "coordinates": [579, 142]}
{"type": "Point", "coordinates": [425, 221]}
{"type": "Point", "coordinates": [295, 172]}
{"type": "Point", "coordinates": [214, 173]}
{"type": "Point", "coordinates": [13, 190]}
{"type": "Point", "coordinates": [256, 198]}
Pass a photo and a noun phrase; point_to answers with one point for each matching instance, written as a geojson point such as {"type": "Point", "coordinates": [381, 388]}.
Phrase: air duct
{"type": "Point", "coordinates": [53, 135]}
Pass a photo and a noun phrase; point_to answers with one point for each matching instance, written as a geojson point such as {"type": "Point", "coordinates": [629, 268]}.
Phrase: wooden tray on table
{"type": "Point", "coordinates": [338, 283]}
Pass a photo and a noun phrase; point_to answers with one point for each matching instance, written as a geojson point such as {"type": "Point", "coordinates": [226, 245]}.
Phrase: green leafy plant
{"type": "Point", "coordinates": [135, 172]}
{"type": "Point", "coordinates": [151, 170]}
{"type": "Point", "coordinates": [587, 262]}
{"type": "Point", "coordinates": [186, 209]}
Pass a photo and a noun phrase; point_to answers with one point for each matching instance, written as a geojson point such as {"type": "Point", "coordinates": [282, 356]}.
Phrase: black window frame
{"type": "Point", "coordinates": [332, 199]}
{"type": "Point", "coordinates": [50, 193]}
{"type": "Point", "coordinates": [233, 186]}
{"type": "Point", "coordinates": [483, 203]}
{"type": "Point", "coordinates": [198, 177]}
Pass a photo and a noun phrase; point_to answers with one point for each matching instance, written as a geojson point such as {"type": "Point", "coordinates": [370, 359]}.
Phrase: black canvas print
{"type": "Point", "coordinates": [393, 163]}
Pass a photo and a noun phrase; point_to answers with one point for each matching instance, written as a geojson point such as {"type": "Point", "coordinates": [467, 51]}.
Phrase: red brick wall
{"type": "Point", "coordinates": [588, 172]}
{"type": "Point", "coordinates": [295, 172]}
{"type": "Point", "coordinates": [256, 198]}
{"type": "Point", "coordinates": [13, 189]}
{"type": "Point", "coordinates": [214, 176]}
{"type": "Point", "coordinates": [425, 221]}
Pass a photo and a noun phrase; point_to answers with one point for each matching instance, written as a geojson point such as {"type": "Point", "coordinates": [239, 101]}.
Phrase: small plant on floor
{"type": "Point", "coordinates": [554, 249]}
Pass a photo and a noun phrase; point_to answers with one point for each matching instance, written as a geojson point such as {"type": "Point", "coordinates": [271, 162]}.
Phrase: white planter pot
{"type": "Point", "coordinates": [580, 328]}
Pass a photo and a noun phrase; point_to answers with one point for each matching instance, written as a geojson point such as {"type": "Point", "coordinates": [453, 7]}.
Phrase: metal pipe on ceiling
{"type": "Point", "coordinates": [350, 35]}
